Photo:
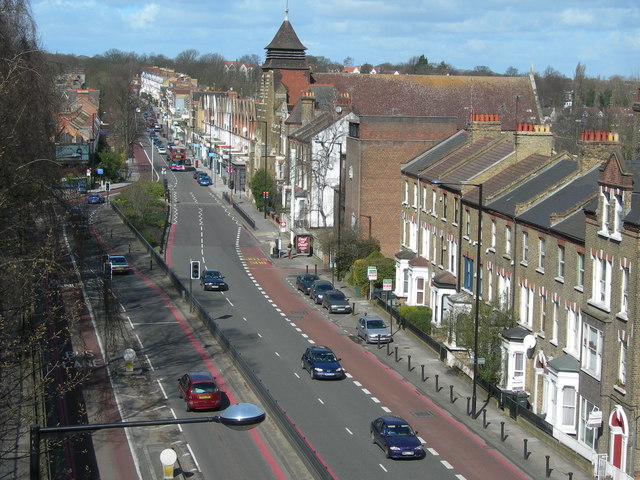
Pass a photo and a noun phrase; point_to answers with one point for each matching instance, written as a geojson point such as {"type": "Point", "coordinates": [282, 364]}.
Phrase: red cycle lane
{"type": "Point", "coordinates": [466, 452]}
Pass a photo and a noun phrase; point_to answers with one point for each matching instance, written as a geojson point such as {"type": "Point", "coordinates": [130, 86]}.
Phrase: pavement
{"type": "Point", "coordinates": [537, 454]}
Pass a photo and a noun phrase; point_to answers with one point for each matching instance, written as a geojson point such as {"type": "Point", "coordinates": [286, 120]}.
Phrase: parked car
{"type": "Point", "coordinates": [321, 362]}
{"type": "Point", "coordinates": [199, 390]}
{"type": "Point", "coordinates": [204, 180]}
{"type": "Point", "coordinates": [373, 330]}
{"type": "Point", "coordinates": [95, 198]}
{"type": "Point", "coordinates": [162, 150]}
{"type": "Point", "coordinates": [336, 302]}
{"type": "Point", "coordinates": [213, 280]}
{"type": "Point", "coordinates": [196, 174]}
{"type": "Point", "coordinates": [396, 437]}
{"type": "Point", "coordinates": [318, 288]}
{"type": "Point", "coordinates": [116, 264]}
{"type": "Point", "coordinates": [304, 282]}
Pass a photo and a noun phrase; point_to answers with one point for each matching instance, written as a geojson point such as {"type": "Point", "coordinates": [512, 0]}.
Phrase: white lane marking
{"type": "Point", "coordinates": [149, 362]}
{"type": "Point", "coordinates": [386, 409]}
{"type": "Point", "coordinates": [311, 341]}
{"type": "Point", "coordinates": [229, 301]}
{"type": "Point", "coordinates": [297, 376]}
{"type": "Point", "coordinates": [357, 383]}
{"type": "Point", "coordinates": [433, 451]}
{"type": "Point", "coordinates": [139, 341]}
{"type": "Point", "coordinates": [244, 318]}
{"type": "Point", "coordinates": [375, 400]}
{"type": "Point", "coordinates": [320, 400]}
{"type": "Point", "coordinates": [348, 431]}
{"type": "Point", "coordinates": [366, 392]}
{"type": "Point", "coordinates": [277, 354]}
{"type": "Point", "coordinates": [164, 394]}
{"type": "Point", "coordinates": [446, 464]}
{"type": "Point", "coordinates": [460, 477]}
{"type": "Point", "coordinates": [195, 460]}
{"type": "Point", "coordinates": [421, 440]}
{"type": "Point", "coordinates": [382, 467]}
{"type": "Point", "coordinates": [259, 335]}
{"type": "Point", "coordinates": [130, 324]}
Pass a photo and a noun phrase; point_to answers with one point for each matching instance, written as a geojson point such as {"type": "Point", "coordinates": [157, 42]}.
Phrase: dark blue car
{"type": "Point", "coordinates": [213, 280]}
{"type": "Point", "coordinates": [321, 362]}
{"type": "Point", "coordinates": [396, 437]}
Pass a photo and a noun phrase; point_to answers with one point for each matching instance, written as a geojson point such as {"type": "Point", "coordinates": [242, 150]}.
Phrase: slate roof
{"type": "Point", "coordinates": [566, 200]}
{"type": "Point", "coordinates": [325, 96]}
{"type": "Point", "coordinates": [309, 130]}
{"type": "Point", "coordinates": [438, 170]}
{"type": "Point", "coordinates": [633, 216]}
{"type": "Point", "coordinates": [436, 153]}
{"type": "Point", "coordinates": [436, 95]}
{"type": "Point", "coordinates": [480, 163]}
{"type": "Point", "coordinates": [564, 363]}
{"type": "Point", "coordinates": [535, 186]}
{"type": "Point", "coordinates": [285, 51]}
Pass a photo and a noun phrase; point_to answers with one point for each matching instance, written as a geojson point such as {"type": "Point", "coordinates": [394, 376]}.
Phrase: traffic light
{"type": "Point", "coordinates": [265, 195]}
{"type": "Point", "coordinates": [195, 269]}
{"type": "Point", "coordinates": [108, 186]}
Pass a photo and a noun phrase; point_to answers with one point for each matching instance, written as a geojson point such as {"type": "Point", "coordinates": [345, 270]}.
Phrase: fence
{"type": "Point", "coordinates": [240, 211]}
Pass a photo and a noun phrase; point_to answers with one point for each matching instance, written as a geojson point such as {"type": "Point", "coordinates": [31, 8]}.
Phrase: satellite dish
{"type": "Point", "coordinates": [529, 341]}
{"type": "Point", "coordinates": [338, 109]}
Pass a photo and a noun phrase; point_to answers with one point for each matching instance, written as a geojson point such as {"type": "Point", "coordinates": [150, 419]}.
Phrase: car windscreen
{"type": "Point", "coordinates": [399, 430]}
{"type": "Point", "coordinates": [118, 260]}
{"type": "Point", "coordinates": [204, 387]}
{"type": "Point", "coordinates": [376, 324]}
{"type": "Point", "coordinates": [212, 275]}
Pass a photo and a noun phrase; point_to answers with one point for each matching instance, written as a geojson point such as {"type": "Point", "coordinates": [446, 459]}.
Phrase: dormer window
{"type": "Point", "coordinates": [611, 213]}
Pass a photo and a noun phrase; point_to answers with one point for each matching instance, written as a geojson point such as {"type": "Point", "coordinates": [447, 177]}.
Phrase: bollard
{"type": "Point", "coordinates": [526, 451]}
{"type": "Point", "coordinates": [570, 475]}
{"type": "Point", "coordinates": [437, 388]}
{"type": "Point", "coordinates": [353, 308]}
{"type": "Point", "coordinates": [306, 268]}
{"type": "Point", "coordinates": [315, 269]}
{"type": "Point", "coordinates": [485, 424]}
{"type": "Point", "coordinates": [468, 405]}
{"type": "Point", "coordinates": [548, 470]}
{"type": "Point", "coordinates": [129, 356]}
{"type": "Point", "coordinates": [396, 349]}
{"type": "Point", "coordinates": [168, 458]}
{"type": "Point", "coordinates": [424, 379]}
{"type": "Point", "coordinates": [503, 437]}
{"type": "Point", "coordinates": [409, 362]}
{"type": "Point", "coordinates": [129, 247]}
{"type": "Point", "coordinates": [150, 263]}
{"type": "Point", "coordinates": [451, 399]}
{"type": "Point", "coordinates": [378, 342]}
{"type": "Point", "coordinates": [111, 233]}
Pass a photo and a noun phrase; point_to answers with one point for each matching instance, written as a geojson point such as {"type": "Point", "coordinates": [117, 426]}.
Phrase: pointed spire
{"type": "Point", "coordinates": [286, 50]}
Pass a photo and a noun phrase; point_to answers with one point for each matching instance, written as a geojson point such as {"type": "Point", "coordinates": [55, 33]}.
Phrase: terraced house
{"type": "Point", "coordinates": [558, 248]}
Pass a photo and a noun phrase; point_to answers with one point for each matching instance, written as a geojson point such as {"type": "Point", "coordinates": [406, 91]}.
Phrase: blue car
{"type": "Point", "coordinates": [321, 362]}
{"type": "Point", "coordinates": [204, 180]}
{"type": "Point", "coordinates": [95, 198]}
{"type": "Point", "coordinates": [396, 437]}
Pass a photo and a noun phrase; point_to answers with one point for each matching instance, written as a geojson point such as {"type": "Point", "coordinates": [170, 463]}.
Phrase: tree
{"type": "Point", "coordinates": [111, 163]}
{"type": "Point", "coordinates": [492, 322]}
{"type": "Point", "coordinates": [34, 322]}
{"type": "Point", "coordinates": [262, 182]}
{"type": "Point", "coordinates": [511, 72]}
{"type": "Point", "coordinates": [366, 68]}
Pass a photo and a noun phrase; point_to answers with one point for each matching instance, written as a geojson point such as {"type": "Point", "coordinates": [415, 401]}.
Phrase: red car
{"type": "Point", "coordinates": [199, 391]}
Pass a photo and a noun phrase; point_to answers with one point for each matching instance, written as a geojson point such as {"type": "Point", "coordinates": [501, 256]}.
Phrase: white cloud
{"type": "Point", "coordinates": [143, 18]}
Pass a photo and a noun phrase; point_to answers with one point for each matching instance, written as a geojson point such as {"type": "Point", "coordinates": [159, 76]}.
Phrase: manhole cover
{"type": "Point", "coordinates": [422, 414]}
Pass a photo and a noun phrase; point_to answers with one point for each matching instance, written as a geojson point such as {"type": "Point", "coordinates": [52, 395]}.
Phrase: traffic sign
{"type": "Point", "coordinates": [372, 273]}
{"type": "Point", "coordinates": [387, 284]}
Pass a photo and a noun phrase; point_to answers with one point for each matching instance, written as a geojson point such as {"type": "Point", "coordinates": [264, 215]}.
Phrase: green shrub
{"type": "Point", "coordinates": [418, 316]}
{"type": "Point", "coordinates": [358, 273]}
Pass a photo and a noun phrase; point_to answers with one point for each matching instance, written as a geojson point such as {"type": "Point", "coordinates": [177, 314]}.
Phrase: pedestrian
{"type": "Point", "coordinates": [290, 247]}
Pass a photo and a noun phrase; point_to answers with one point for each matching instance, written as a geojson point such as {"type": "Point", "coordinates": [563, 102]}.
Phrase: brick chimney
{"type": "Point", "coordinates": [484, 125]}
{"type": "Point", "coordinates": [343, 103]}
{"type": "Point", "coordinates": [530, 138]}
{"type": "Point", "coordinates": [307, 105]}
{"type": "Point", "coordinates": [596, 146]}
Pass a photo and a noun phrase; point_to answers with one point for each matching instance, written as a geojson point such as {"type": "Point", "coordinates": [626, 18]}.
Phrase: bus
{"type": "Point", "coordinates": [177, 158]}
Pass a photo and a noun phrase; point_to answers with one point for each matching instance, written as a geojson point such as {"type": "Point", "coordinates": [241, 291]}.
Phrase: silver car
{"type": "Point", "coordinates": [373, 330]}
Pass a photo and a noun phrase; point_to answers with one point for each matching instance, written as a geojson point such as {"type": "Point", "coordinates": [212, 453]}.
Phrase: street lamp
{"type": "Point", "coordinates": [241, 416]}
{"type": "Point", "coordinates": [476, 320]}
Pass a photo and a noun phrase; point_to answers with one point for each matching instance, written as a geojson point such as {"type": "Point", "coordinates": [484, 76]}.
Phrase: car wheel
{"type": "Point", "coordinates": [313, 374]}
{"type": "Point", "coordinates": [302, 364]}
{"type": "Point", "coordinates": [373, 438]}
{"type": "Point", "coordinates": [187, 408]}
{"type": "Point", "coordinates": [367, 339]}
{"type": "Point", "coordinates": [388, 452]}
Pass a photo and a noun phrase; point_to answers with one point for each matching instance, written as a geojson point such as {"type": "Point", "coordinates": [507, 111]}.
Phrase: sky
{"type": "Point", "coordinates": [602, 35]}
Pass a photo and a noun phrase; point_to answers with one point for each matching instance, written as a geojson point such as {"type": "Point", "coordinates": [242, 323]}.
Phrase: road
{"type": "Point", "coordinates": [271, 325]}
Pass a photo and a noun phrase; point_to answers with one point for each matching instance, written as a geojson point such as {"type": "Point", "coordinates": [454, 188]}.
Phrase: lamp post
{"type": "Point", "coordinates": [264, 159]}
{"type": "Point", "coordinates": [476, 319]}
{"type": "Point", "coordinates": [241, 416]}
